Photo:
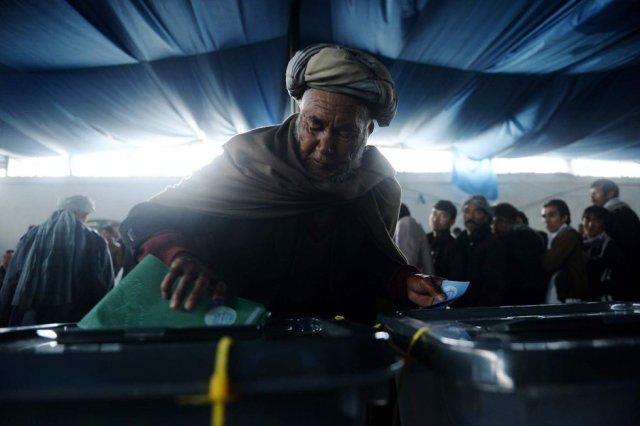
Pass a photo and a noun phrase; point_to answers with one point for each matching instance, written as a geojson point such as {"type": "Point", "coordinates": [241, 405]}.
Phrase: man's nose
{"type": "Point", "coordinates": [326, 142]}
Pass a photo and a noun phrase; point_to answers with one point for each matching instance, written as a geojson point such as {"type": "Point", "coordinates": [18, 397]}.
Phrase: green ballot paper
{"type": "Point", "coordinates": [136, 302]}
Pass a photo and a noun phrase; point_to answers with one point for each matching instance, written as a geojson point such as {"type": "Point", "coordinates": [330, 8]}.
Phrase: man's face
{"type": "Point", "coordinates": [440, 220]}
{"type": "Point", "coordinates": [473, 217]}
{"type": "Point", "coordinates": [333, 131]}
{"type": "Point", "coordinates": [502, 226]}
{"type": "Point", "coordinates": [592, 226]}
{"type": "Point", "coordinates": [552, 219]}
{"type": "Point", "coordinates": [598, 197]}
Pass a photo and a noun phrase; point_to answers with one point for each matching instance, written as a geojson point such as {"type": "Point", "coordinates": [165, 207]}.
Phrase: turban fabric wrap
{"type": "Point", "coordinates": [338, 69]}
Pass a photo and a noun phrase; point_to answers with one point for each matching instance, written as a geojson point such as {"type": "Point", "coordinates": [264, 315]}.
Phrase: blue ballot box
{"type": "Point", "coordinates": [305, 371]}
{"type": "Point", "coordinates": [573, 364]}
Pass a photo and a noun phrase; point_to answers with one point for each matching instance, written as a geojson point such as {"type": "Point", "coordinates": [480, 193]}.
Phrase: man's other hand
{"type": "Point", "coordinates": [424, 290]}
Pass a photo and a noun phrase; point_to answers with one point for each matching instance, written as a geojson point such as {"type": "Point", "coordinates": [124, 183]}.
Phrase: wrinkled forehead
{"type": "Point", "coordinates": [318, 102]}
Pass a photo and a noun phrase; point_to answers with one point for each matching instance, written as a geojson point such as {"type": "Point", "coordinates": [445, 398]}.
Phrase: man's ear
{"type": "Point", "coordinates": [370, 128]}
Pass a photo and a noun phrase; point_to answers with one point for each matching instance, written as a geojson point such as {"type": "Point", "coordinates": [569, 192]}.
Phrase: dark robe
{"type": "Point", "coordinates": [276, 234]}
{"type": "Point", "coordinates": [59, 271]}
{"type": "Point", "coordinates": [481, 259]}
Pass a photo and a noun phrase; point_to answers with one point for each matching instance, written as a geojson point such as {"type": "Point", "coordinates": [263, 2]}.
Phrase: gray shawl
{"type": "Point", "coordinates": [260, 175]}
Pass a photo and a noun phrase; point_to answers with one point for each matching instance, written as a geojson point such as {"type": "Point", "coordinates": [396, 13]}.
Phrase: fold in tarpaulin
{"type": "Point", "coordinates": [474, 176]}
{"type": "Point", "coordinates": [559, 77]}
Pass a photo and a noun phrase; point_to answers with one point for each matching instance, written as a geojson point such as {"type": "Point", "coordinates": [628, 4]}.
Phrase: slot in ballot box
{"type": "Point", "coordinates": [296, 371]}
{"type": "Point", "coordinates": [573, 364]}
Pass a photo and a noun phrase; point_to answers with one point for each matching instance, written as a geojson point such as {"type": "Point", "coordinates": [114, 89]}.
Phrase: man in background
{"type": "Point", "coordinates": [624, 228]}
{"type": "Point", "coordinates": [564, 260]}
{"type": "Point", "coordinates": [442, 218]}
{"type": "Point", "coordinates": [480, 257]}
{"type": "Point", "coordinates": [604, 261]}
{"type": "Point", "coordinates": [412, 241]}
{"type": "Point", "coordinates": [115, 249]}
{"type": "Point", "coordinates": [6, 259]}
{"type": "Point", "coordinates": [60, 270]}
{"type": "Point", "coordinates": [527, 282]}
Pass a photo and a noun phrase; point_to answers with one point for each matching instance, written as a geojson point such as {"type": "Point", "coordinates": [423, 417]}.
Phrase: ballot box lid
{"type": "Point", "coordinates": [512, 347]}
{"type": "Point", "coordinates": [61, 361]}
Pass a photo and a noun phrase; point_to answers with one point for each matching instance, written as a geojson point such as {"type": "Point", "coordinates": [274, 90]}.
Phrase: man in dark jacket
{"type": "Point", "coordinates": [624, 229]}
{"type": "Point", "coordinates": [442, 218]}
{"type": "Point", "coordinates": [564, 260]}
{"type": "Point", "coordinates": [527, 280]}
{"type": "Point", "coordinates": [480, 257]}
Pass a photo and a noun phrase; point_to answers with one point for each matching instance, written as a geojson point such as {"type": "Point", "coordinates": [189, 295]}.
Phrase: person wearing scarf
{"type": "Point", "coordinates": [60, 269]}
{"type": "Point", "coordinates": [298, 216]}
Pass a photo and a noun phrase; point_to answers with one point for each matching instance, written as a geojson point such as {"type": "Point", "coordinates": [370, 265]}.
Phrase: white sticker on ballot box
{"type": "Point", "coordinates": [220, 315]}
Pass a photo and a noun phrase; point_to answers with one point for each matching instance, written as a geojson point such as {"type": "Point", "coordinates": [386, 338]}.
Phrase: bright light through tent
{"type": "Point", "coordinates": [161, 161]}
{"type": "Point", "coordinates": [183, 160]}
{"type": "Point", "coordinates": [417, 160]}
{"type": "Point", "coordinates": [605, 168]}
{"type": "Point", "coordinates": [39, 167]}
{"type": "Point", "coordinates": [531, 165]}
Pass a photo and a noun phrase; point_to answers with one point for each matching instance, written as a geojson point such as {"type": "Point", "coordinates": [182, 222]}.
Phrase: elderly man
{"type": "Point", "coordinates": [480, 257]}
{"type": "Point", "coordinates": [60, 270]}
{"type": "Point", "coordinates": [297, 216]}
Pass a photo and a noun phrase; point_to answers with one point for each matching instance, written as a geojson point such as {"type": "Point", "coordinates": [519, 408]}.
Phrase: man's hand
{"type": "Point", "coordinates": [424, 290]}
{"type": "Point", "coordinates": [195, 275]}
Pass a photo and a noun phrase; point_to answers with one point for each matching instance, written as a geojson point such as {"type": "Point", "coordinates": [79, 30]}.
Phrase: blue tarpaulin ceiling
{"type": "Point", "coordinates": [486, 78]}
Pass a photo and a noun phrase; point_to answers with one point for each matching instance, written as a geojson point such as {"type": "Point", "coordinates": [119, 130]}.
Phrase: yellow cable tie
{"type": "Point", "coordinates": [338, 317]}
{"type": "Point", "coordinates": [416, 336]}
{"type": "Point", "coordinates": [218, 392]}
{"type": "Point", "coordinates": [219, 382]}
{"type": "Point", "coordinates": [407, 362]}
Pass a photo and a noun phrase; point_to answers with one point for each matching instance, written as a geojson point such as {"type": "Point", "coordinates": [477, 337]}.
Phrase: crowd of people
{"type": "Point", "coordinates": [301, 217]}
{"type": "Point", "coordinates": [509, 263]}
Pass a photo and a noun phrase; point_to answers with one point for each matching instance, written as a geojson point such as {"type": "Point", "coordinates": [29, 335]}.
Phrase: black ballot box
{"type": "Point", "coordinates": [564, 364]}
{"type": "Point", "coordinates": [302, 371]}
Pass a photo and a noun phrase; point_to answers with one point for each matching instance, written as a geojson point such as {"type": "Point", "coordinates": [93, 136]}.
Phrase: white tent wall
{"type": "Point", "coordinates": [29, 201]}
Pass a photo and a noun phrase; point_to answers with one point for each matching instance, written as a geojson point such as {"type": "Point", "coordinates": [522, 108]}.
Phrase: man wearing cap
{"type": "Point", "coordinates": [480, 257]}
{"type": "Point", "coordinates": [298, 216]}
{"type": "Point", "coordinates": [60, 269]}
{"type": "Point", "coordinates": [442, 218]}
